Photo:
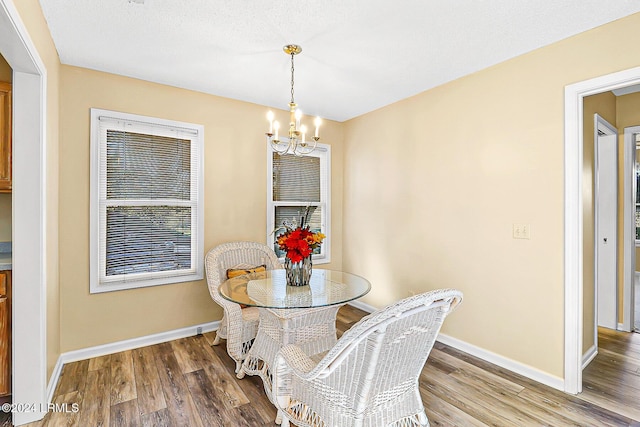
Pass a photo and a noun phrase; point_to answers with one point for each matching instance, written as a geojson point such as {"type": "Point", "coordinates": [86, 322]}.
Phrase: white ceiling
{"type": "Point", "coordinates": [358, 55]}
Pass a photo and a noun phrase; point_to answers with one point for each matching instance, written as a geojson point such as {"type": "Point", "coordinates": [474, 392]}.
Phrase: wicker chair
{"type": "Point", "coordinates": [238, 325]}
{"type": "Point", "coordinates": [370, 377]}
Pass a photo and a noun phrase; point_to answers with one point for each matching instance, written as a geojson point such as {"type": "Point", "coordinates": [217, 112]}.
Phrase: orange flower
{"type": "Point", "coordinates": [299, 243]}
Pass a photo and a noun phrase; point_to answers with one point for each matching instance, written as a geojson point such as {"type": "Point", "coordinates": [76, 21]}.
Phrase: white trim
{"type": "Point", "coordinates": [362, 306]}
{"type": "Point", "coordinates": [53, 380]}
{"type": "Point", "coordinates": [589, 356]}
{"type": "Point", "coordinates": [488, 356]}
{"type": "Point", "coordinates": [573, 245]}
{"type": "Point", "coordinates": [573, 215]}
{"type": "Point", "coordinates": [118, 346]}
{"type": "Point", "coordinates": [322, 151]}
{"type": "Point", "coordinates": [133, 343]}
{"type": "Point", "coordinates": [629, 224]}
{"type": "Point", "coordinates": [504, 362]}
{"type": "Point", "coordinates": [29, 214]}
{"type": "Point", "coordinates": [99, 282]}
{"type": "Point", "coordinates": [29, 246]}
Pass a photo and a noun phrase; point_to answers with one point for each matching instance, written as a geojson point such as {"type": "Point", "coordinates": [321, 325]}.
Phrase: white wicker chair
{"type": "Point", "coordinates": [370, 377]}
{"type": "Point", "coordinates": [238, 325]}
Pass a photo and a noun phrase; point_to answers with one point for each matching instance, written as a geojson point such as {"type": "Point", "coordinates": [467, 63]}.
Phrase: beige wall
{"type": "Point", "coordinates": [36, 25]}
{"type": "Point", "coordinates": [605, 105]}
{"type": "Point", "coordinates": [462, 163]}
{"type": "Point", "coordinates": [235, 201]}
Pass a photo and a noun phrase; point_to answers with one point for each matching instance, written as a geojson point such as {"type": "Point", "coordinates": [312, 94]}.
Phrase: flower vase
{"type": "Point", "coordinates": [298, 273]}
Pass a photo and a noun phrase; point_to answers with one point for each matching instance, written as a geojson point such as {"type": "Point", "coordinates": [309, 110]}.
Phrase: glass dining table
{"type": "Point", "coordinates": [301, 315]}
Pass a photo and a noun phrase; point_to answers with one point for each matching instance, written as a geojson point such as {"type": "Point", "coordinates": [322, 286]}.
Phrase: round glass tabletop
{"type": "Point", "coordinates": [270, 290]}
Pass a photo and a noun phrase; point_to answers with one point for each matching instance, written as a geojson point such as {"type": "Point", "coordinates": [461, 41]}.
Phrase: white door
{"type": "Point", "coordinates": [606, 196]}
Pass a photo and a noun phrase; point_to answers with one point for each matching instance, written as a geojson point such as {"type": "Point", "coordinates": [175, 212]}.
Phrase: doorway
{"type": "Point", "coordinates": [573, 215]}
{"type": "Point", "coordinates": [29, 215]}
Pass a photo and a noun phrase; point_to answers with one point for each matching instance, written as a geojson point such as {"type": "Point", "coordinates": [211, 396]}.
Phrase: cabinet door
{"type": "Point", "coordinates": [5, 137]}
{"type": "Point", "coordinates": [5, 333]}
{"type": "Point", "coordinates": [4, 346]}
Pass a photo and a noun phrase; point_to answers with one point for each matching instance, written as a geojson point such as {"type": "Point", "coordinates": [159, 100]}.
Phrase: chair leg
{"type": "Point", "coordinates": [239, 371]}
{"type": "Point", "coordinates": [281, 419]}
{"type": "Point", "coordinates": [217, 339]}
{"type": "Point", "coordinates": [422, 419]}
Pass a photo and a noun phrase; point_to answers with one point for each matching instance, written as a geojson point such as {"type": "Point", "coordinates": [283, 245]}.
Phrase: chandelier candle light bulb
{"type": "Point", "coordinates": [270, 118]}
{"type": "Point", "coordinates": [296, 143]}
{"type": "Point", "coordinates": [298, 117]}
{"type": "Point", "coordinates": [317, 123]}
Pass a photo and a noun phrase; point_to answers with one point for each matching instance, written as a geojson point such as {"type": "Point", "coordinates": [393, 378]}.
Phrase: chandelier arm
{"type": "Point", "coordinates": [275, 144]}
{"type": "Point", "coordinates": [307, 148]}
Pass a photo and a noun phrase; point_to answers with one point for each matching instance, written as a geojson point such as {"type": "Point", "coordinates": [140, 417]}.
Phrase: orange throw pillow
{"type": "Point", "coordinates": [235, 272]}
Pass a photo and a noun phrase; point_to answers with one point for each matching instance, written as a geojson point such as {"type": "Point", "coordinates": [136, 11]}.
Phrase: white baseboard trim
{"type": "Point", "coordinates": [517, 367]}
{"type": "Point", "coordinates": [504, 362]}
{"type": "Point", "coordinates": [53, 381]}
{"type": "Point", "coordinates": [115, 347]}
{"type": "Point", "coordinates": [589, 356]}
{"type": "Point", "coordinates": [363, 306]}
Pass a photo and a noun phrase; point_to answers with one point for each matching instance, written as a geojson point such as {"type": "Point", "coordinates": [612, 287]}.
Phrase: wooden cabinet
{"type": "Point", "coordinates": [5, 332]}
{"type": "Point", "coordinates": [5, 137]}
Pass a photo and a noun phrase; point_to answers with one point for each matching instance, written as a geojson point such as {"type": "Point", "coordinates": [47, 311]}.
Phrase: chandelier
{"type": "Point", "coordinates": [298, 142]}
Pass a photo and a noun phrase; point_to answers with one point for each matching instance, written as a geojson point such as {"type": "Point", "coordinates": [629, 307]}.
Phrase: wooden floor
{"type": "Point", "coordinates": [188, 382]}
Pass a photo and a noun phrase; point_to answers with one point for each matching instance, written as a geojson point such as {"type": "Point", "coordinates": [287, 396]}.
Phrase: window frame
{"type": "Point", "coordinates": [323, 152]}
{"type": "Point", "coordinates": [99, 282]}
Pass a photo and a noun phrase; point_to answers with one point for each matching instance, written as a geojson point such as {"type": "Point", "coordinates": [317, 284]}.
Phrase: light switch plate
{"type": "Point", "coordinates": [521, 231]}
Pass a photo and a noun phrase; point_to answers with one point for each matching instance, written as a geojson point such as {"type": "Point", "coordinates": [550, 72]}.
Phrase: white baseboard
{"type": "Point", "coordinates": [589, 356]}
{"type": "Point", "coordinates": [496, 359]}
{"type": "Point", "coordinates": [363, 306]}
{"type": "Point", "coordinates": [504, 362]}
{"type": "Point", "coordinates": [115, 347]}
{"type": "Point", "coordinates": [512, 365]}
{"type": "Point", "coordinates": [53, 381]}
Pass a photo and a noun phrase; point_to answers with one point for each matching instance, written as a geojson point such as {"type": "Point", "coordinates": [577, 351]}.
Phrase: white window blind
{"type": "Point", "coordinates": [298, 183]}
{"type": "Point", "coordinates": [146, 201]}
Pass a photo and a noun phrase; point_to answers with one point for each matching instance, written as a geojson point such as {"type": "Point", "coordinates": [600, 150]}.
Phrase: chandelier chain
{"type": "Point", "coordinates": [292, 101]}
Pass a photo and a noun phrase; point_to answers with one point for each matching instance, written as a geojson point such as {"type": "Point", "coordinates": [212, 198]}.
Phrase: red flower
{"type": "Point", "coordinates": [299, 243]}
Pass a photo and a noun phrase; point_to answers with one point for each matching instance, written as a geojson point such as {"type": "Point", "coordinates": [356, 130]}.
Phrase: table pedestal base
{"type": "Point", "coordinates": [312, 329]}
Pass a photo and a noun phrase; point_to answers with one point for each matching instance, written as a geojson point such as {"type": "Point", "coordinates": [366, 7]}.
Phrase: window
{"type": "Point", "coordinates": [146, 201]}
{"type": "Point", "coordinates": [295, 183]}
